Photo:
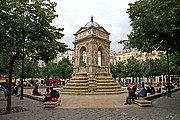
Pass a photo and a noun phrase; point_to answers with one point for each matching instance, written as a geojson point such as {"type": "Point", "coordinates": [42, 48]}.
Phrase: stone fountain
{"type": "Point", "coordinates": [91, 72]}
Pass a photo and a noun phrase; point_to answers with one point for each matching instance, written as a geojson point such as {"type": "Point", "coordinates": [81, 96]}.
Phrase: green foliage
{"type": "Point", "coordinates": [151, 67]}
{"type": "Point", "coordinates": [117, 70]}
{"type": "Point", "coordinates": [4, 66]}
{"type": "Point", "coordinates": [132, 68]}
{"type": "Point", "coordinates": [31, 69]}
{"type": "Point", "coordinates": [26, 29]}
{"type": "Point", "coordinates": [155, 25]}
{"type": "Point", "coordinates": [175, 64]}
{"type": "Point", "coordinates": [155, 67]}
{"type": "Point", "coordinates": [64, 68]}
{"type": "Point", "coordinates": [49, 70]}
{"type": "Point", "coordinates": [113, 71]}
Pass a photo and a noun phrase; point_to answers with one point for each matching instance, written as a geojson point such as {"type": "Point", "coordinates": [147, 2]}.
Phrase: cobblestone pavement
{"type": "Point", "coordinates": [164, 108]}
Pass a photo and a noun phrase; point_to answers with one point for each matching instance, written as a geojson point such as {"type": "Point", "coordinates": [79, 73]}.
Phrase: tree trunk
{"type": "Point", "coordinates": [168, 79]}
{"type": "Point", "coordinates": [133, 80]}
{"type": "Point", "coordinates": [139, 79]}
{"type": "Point", "coordinates": [8, 109]}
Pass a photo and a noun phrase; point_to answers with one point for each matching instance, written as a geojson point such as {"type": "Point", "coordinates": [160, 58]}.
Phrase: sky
{"type": "Point", "coordinates": [110, 14]}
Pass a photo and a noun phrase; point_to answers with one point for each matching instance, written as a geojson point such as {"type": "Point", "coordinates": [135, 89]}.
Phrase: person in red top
{"type": "Point", "coordinates": [163, 83]}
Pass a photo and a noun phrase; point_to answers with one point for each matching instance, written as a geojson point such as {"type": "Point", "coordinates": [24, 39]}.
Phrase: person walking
{"type": "Point", "coordinates": [5, 85]}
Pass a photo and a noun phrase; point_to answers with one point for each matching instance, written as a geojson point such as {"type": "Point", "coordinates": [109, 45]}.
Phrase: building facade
{"type": "Point", "coordinates": [68, 54]}
{"type": "Point", "coordinates": [138, 55]}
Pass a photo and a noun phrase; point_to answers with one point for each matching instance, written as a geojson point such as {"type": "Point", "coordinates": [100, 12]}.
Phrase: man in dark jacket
{"type": "Point", "coordinates": [131, 95]}
{"type": "Point", "coordinates": [54, 93]}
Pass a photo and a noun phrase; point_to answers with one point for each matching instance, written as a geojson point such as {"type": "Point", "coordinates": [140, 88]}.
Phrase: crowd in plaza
{"type": "Point", "coordinates": [146, 89]}
{"type": "Point", "coordinates": [137, 90]}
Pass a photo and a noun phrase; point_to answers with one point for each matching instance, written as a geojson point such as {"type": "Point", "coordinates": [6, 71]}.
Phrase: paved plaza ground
{"type": "Point", "coordinates": [93, 107]}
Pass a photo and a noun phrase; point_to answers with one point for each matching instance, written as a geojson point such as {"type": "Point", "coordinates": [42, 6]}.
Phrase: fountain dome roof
{"type": "Point", "coordinates": [92, 23]}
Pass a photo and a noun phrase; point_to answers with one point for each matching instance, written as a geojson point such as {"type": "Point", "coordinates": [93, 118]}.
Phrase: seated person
{"type": "Point", "coordinates": [152, 89]}
{"type": "Point", "coordinates": [46, 94]}
{"type": "Point", "coordinates": [131, 95]}
{"type": "Point", "coordinates": [35, 91]}
{"type": "Point", "coordinates": [54, 93]}
{"type": "Point", "coordinates": [148, 90]}
{"type": "Point", "coordinates": [141, 92]}
{"type": "Point", "coordinates": [134, 88]}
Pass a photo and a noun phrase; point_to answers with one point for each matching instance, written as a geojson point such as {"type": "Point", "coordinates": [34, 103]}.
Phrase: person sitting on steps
{"type": "Point", "coordinates": [46, 94]}
{"type": "Point", "coordinates": [131, 95]}
{"type": "Point", "coordinates": [142, 92]}
{"type": "Point", "coordinates": [36, 92]}
{"type": "Point", "coordinates": [54, 94]}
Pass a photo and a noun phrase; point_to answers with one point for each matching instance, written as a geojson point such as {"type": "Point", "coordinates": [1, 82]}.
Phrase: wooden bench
{"type": "Point", "coordinates": [50, 104]}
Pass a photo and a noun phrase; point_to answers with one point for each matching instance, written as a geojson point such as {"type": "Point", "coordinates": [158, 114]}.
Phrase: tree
{"type": "Point", "coordinates": [175, 64]}
{"type": "Point", "coordinates": [119, 68]}
{"type": "Point", "coordinates": [4, 64]}
{"type": "Point", "coordinates": [155, 25]}
{"type": "Point", "coordinates": [116, 70]}
{"type": "Point", "coordinates": [26, 30]}
{"type": "Point", "coordinates": [133, 68]}
{"type": "Point", "coordinates": [49, 70]}
{"type": "Point", "coordinates": [64, 69]}
{"type": "Point", "coordinates": [31, 69]}
{"type": "Point", "coordinates": [152, 68]}
{"type": "Point", "coordinates": [113, 70]}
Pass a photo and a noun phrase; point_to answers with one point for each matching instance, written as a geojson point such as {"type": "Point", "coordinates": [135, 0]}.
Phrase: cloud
{"type": "Point", "coordinates": [111, 14]}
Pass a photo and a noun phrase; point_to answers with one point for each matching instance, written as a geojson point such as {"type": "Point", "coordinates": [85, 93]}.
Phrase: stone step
{"type": "Point", "coordinates": [103, 73]}
{"type": "Point", "coordinates": [70, 90]}
{"type": "Point", "coordinates": [143, 103]}
{"type": "Point", "coordinates": [108, 90]}
{"type": "Point", "coordinates": [108, 87]}
{"type": "Point", "coordinates": [75, 87]}
{"type": "Point", "coordinates": [104, 78]}
{"type": "Point", "coordinates": [78, 81]}
{"type": "Point", "coordinates": [106, 81]}
{"type": "Point", "coordinates": [77, 84]}
{"type": "Point", "coordinates": [79, 78]}
{"type": "Point", "coordinates": [51, 104]}
{"type": "Point", "coordinates": [107, 84]}
{"type": "Point", "coordinates": [79, 75]}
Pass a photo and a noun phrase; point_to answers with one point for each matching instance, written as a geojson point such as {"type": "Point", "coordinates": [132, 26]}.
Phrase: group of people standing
{"type": "Point", "coordinates": [144, 91]}
{"type": "Point", "coordinates": [16, 89]}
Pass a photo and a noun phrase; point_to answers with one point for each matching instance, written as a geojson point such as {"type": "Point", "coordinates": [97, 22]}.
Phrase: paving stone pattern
{"type": "Point", "coordinates": [164, 108]}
